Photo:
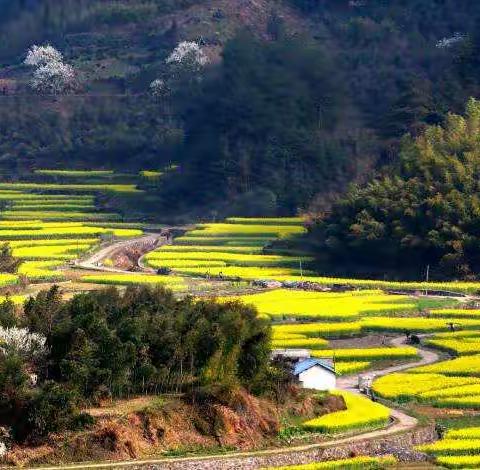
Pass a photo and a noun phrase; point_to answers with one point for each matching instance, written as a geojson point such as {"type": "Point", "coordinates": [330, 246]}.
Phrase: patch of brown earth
{"type": "Point", "coordinates": [143, 427]}
{"type": "Point", "coordinates": [369, 341]}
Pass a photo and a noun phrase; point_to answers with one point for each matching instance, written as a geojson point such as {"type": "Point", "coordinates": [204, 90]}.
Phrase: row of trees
{"type": "Point", "coordinates": [425, 211]}
{"type": "Point", "coordinates": [106, 344]}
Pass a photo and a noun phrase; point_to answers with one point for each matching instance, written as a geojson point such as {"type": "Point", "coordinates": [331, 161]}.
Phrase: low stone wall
{"type": "Point", "coordinates": [399, 445]}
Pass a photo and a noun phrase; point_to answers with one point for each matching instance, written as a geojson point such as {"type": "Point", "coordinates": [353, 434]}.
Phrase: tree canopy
{"type": "Point", "coordinates": [424, 211]}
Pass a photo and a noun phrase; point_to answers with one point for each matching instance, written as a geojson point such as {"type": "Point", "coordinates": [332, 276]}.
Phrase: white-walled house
{"type": "Point", "coordinates": [315, 374]}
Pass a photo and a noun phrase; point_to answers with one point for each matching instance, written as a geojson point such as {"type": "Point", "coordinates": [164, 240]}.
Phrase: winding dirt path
{"type": "Point", "coordinates": [146, 244]}
{"type": "Point", "coordinates": [426, 357]}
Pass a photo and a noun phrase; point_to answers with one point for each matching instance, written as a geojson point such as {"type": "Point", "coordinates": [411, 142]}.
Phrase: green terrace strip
{"type": "Point", "coordinates": [369, 354]}
{"type": "Point", "coordinates": [355, 463]}
{"type": "Point", "coordinates": [319, 329]}
{"type": "Point", "coordinates": [41, 271]}
{"type": "Point", "coordinates": [266, 221]}
{"type": "Point", "coordinates": [101, 188]}
{"type": "Point", "coordinates": [304, 343]}
{"type": "Point", "coordinates": [55, 207]}
{"type": "Point", "coordinates": [246, 230]}
{"type": "Point", "coordinates": [406, 386]}
{"type": "Point", "coordinates": [460, 448]}
{"type": "Point", "coordinates": [457, 461]}
{"type": "Point", "coordinates": [466, 402]}
{"type": "Point", "coordinates": [458, 334]}
{"type": "Point", "coordinates": [347, 368]}
{"type": "Point", "coordinates": [8, 279]}
{"type": "Point", "coordinates": [387, 324]}
{"type": "Point", "coordinates": [288, 303]}
{"type": "Point", "coordinates": [54, 242]}
{"type": "Point", "coordinates": [62, 231]}
{"type": "Point", "coordinates": [463, 433]}
{"type": "Point", "coordinates": [464, 366]}
{"type": "Point", "coordinates": [461, 391]}
{"type": "Point", "coordinates": [361, 414]}
{"type": "Point", "coordinates": [58, 215]}
{"type": "Point", "coordinates": [151, 174]}
{"type": "Point", "coordinates": [76, 173]}
{"type": "Point", "coordinates": [455, 313]}
{"type": "Point", "coordinates": [252, 250]}
{"type": "Point", "coordinates": [26, 197]}
{"type": "Point", "coordinates": [60, 252]}
{"type": "Point", "coordinates": [421, 325]}
{"type": "Point", "coordinates": [258, 242]}
{"type": "Point", "coordinates": [159, 258]}
{"type": "Point", "coordinates": [172, 282]}
{"type": "Point", "coordinates": [452, 447]}
{"type": "Point", "coordinates": [459, 347]}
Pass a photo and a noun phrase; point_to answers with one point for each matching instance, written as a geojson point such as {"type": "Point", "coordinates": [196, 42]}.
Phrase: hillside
{"type": "Point", "coordinates": [321, 93]}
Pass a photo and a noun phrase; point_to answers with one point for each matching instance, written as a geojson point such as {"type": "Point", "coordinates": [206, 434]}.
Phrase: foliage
{"type": "Point", "coordinates": [426, 214]}
{"type": "Point", "coordinates": [53, 409]}
{"type": "Point", "coordinates": [147, 340]}
{"type": "Point", "coordinates": [267, 103]}
{"type": "Point", "coordinates": [8, 261]}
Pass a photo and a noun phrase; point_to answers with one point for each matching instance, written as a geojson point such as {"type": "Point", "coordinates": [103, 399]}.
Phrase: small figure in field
{"type": "Point", "coordinates": [411, 338]}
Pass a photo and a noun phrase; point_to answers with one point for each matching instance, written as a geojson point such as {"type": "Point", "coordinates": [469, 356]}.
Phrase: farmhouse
{"type": "Point", "coordinates": [315, 374]}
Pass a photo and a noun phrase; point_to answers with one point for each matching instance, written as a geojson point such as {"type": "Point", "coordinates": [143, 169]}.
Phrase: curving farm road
{"type": "Point", "coordinates": [426, 357]}
{"type": "Point", "coordinates": [145, 244]}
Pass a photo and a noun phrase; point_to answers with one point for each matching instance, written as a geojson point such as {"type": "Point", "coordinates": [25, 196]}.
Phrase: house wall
{"type": "Point", "coordinates": [318, 378]}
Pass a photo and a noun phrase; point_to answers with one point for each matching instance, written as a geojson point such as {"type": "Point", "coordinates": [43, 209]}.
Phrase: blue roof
{"type": "Point", "coordinates": [302, 366]}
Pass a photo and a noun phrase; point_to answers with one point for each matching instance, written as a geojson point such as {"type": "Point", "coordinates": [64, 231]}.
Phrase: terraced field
{"type": "Point", "coordinates": [50, 225]}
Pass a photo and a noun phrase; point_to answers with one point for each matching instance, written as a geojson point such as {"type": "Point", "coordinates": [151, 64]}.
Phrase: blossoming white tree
{"type": "Point", "coordinates": [158, 88]}
{"type": "Point", "coordinates": [42, 55]}
{"type": "Point", "coordinates": [22, 342]}
{"type": "Point", "coordinates": [186, 64]}
{"type": "Point", "coordinates": [54, 78]}
{"type": "Point", "coordinates": [445, 43]}
{"type": "Point", "coordinates": [188, 52]}
{"type": "Point", "coordinates": [51, 74]}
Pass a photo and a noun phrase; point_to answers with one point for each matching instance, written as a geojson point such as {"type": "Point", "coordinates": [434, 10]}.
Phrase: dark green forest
{"type": "Point", "coordinates": [426, 212]}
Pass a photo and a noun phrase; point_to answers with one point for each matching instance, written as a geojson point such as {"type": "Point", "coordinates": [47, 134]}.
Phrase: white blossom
{"type": "Point", "coordinates": [21, 341]}
{"type": "Point", "coordinates": [158, 88]}
{"type": "Point", "coordinates": [449, 42]}
{"type": "Point", "coordinates": [51, 74]}
{"type": "Point", "coordinates": [188, 51]}
{"type": "Point", "coordinates": [42, 55]}
{"type": "Point", "coordinates": [3, 449]}
{"type": "Point", "coordinates": [54, 78]}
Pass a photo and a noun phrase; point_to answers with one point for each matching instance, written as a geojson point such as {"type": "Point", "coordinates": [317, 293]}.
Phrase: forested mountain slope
{"type": "Point", "coordinates": [296, 99]}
